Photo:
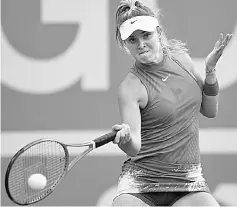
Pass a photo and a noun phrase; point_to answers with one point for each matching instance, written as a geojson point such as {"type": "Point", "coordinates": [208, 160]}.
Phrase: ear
{"type": "Point", "coordinates": [159, 30]}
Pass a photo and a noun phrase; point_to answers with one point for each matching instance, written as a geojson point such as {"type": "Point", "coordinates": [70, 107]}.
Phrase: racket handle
{"type": "Point", "coordinates": [100, 141]}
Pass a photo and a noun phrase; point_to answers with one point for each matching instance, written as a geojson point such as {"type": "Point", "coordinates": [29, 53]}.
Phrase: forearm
{"type": "Point", "coordinates": [209, 106]}
{"type": "Point", "coordinates": [211, 88]}
{"type": "Point", "coordinates": [210, 97]}
{"type": "Point", "coordinates": [132, 147]}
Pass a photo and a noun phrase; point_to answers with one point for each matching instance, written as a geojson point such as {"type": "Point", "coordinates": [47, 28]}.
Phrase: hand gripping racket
{"type": "Point", "coordinates": [47, 157]}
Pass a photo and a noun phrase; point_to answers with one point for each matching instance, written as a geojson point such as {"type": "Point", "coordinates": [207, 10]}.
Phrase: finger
{"type": "Point", "coordinates": [221, 37]}
{"type": "Point", "coordinates": [217, 45]}
{"type": "Point", "coordinates": [128, 130]}
{"type": "Point", "coordinates": [220, 52]}
{"type": "Point", "coordinates": [117, 127]}
{"type": "Point", "coordinates": [221, 48]}
{"type": "Point", "coordinates": [228, 40]}
{"type": "Point", "coordinates": [217, 53]}
{"type": "Point", "coordinates": [219, 42]}
{"type": "Point", "coordinates": [117, 138]}
{"type": "Point", "coordinates": [124, 125]}
{"type": "Point", "coordinates": [124, 130]}
{"type": "Point", "coordinates": [128, 135]}
{"type": "Point", "coordinates": [225, 38]}
{"type": "Point", "coordinates": [122, 133]}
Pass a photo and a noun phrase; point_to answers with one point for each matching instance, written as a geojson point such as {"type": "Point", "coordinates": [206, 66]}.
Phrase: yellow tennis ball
{"type": "Point", "coordinates": [37, 181]}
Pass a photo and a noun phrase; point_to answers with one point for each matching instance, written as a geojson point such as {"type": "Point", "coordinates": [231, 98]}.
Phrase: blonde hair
{"type": "Point", "coordinates": [131, 8]}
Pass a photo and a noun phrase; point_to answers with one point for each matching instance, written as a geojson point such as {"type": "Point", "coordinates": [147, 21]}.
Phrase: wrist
{"type": "Point", "coordinates": [211, 79]}
{"type": "Point", "coordinates": [210, 75]}
{"type": "Point", "coordinates": [210, 70]}
{"type": "Point", "coordinates": [211, 89]}
{"type": "Point", "coordinates": [210, 67]}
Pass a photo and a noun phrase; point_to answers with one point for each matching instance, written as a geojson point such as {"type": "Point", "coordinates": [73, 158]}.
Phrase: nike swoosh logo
{"type": "Point", "coordinates": [166, 78]}
{"type": "Point", "coordinates": [133, 21]}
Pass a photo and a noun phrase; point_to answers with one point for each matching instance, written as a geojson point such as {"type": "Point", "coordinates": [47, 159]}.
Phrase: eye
{"type": "Point", "coordinates": [131, 40]}
{"type": "Point", "coordinates": [146, 35]}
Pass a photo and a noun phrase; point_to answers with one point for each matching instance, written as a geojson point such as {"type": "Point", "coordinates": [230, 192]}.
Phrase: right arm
{"type": "Point", "coordinates": [128, 136]}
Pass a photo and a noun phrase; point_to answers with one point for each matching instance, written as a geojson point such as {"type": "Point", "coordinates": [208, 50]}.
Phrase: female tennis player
{"type": "Point", "coordinates": [159, 101]}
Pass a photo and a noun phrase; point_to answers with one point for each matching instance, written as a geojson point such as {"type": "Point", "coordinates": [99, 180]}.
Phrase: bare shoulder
{"type": "Point", "coordinates": [186, 60]}
{"type": "Point", "coordinates": [188, 63]}
{"type": "Point", "coordinates": [130, 87]}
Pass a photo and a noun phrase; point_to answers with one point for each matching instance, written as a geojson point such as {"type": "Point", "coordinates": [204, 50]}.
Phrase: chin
{"type": "Point", "coordinates": [145, 61]}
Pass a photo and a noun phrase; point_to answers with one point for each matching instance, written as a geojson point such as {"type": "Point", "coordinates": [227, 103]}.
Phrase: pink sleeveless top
{"type": "Point", "coordinates": [169, 159]}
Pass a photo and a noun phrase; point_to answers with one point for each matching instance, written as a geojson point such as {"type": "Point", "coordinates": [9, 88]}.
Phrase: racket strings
{"type": "Point", "coordinates": [47, 158]}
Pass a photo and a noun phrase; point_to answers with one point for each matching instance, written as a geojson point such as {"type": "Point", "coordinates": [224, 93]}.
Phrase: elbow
{"type": "Point", "coordinates": [134, 150]}
{"type": "Point", "coordinates": [135, 147]}
{"type": "Point", "coordinates": [132, 154]}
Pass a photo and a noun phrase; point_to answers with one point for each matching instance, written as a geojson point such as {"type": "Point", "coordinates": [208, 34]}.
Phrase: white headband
{"type": "Point", "coordinates": [145, 23]}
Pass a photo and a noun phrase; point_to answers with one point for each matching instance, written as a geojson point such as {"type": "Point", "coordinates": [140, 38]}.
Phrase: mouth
{"type": "Point", "coordinates": [142, 53]}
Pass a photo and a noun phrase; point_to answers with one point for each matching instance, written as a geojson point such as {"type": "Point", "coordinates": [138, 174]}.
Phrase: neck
{"type": "Point", "coordinates": [156, 65]}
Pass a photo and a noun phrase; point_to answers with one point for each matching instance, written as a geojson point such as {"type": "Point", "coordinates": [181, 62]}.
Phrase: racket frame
{"type": "Point", "coordinates": [98, 142]}
{"type": "Point", "coordinates": [91, 145]}
{"type": "Point", "coordinates": [20, 152]}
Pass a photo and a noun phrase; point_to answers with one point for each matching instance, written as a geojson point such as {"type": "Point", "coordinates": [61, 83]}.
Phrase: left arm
{"type": "Point", "coordinates": [210, 97]}
{"type": "Point", "coordinates": [209, 106]}
{"type": "Point", "coordinates": [209, 84]}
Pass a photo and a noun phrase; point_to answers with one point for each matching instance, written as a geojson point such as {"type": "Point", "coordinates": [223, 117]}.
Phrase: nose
{"type": "Point", "coordinates": [141, 43]}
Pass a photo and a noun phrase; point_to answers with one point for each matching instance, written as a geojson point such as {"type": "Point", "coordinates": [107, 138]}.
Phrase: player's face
{"type": "Point", "coordinates": [145, 46]}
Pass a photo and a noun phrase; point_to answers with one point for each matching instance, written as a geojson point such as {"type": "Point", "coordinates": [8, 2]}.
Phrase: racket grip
{"type": "Point", "coordinates": [100, 141]}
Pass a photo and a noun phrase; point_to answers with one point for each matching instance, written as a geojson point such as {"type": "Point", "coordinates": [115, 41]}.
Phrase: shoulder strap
{"type": "Point", "coordinates": [181, 65]}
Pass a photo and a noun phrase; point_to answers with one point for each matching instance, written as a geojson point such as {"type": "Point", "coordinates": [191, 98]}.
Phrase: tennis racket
{"type": "Point", "coordinates": [47, 157]}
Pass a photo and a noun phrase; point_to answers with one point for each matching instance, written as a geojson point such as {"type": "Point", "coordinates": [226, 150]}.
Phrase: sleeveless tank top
{"type": "Point", "coordinates": [169, 159]}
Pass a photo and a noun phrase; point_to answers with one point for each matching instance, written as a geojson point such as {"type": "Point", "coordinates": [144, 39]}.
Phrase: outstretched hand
{"type": "Point", "coordinates": [216, 53]}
